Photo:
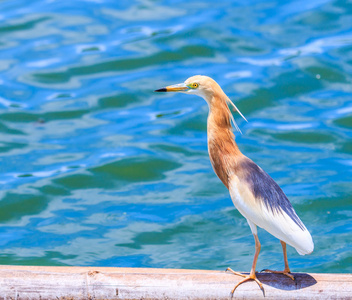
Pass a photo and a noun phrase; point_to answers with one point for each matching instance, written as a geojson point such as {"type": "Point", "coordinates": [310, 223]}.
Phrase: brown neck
{"type": "Point", "coordinates": [223, 150]}
{"type": "Point", "coordinates": [219, 114]}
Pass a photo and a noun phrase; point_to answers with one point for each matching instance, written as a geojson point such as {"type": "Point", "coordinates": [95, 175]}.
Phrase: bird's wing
{"type": "Point", "coordinates": [259, 198]}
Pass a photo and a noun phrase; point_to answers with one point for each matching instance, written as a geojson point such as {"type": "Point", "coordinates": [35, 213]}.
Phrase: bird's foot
{"type": "Point", "coordinates": [286, 272]}
{"type": "Point", "coordinates": [245, 278]}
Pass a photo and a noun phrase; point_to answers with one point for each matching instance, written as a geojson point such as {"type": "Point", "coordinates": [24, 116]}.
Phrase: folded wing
{"type": "Point", "coordinates": [259, 199]}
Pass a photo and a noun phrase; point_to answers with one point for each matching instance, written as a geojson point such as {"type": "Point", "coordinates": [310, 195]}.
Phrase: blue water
{"type": "Point", "coordinates": [98, 170]}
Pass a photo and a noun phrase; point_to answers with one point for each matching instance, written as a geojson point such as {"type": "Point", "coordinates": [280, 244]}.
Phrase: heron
{"type": "Point", "coordinates": [253, 192]}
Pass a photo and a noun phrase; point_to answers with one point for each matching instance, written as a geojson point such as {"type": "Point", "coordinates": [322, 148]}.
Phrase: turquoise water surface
{"type": "Point", "coordinates": [97, 170]}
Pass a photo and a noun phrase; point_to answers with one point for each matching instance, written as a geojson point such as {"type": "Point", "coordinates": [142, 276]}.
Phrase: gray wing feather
{"type": "Point", "coordinates": [267, 190]}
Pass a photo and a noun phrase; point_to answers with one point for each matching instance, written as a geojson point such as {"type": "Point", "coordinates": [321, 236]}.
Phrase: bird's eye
{"type": "Point", "coordinates": [195, 85]}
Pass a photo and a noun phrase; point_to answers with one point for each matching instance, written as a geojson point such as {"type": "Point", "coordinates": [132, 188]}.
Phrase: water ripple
{"type": "Point", "coordinates": [99, 170]}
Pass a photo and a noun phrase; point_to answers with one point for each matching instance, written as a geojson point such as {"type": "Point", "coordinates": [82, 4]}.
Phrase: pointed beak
{"type": "Point", "coordinates": [181, 87]}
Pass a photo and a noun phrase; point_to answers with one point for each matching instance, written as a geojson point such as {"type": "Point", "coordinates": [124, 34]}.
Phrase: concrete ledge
{"type": "Point", "coordinates": [32, 282]}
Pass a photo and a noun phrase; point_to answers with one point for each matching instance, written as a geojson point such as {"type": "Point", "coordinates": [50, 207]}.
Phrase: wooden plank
{"type": "Point", "coordinates": [69, 283]}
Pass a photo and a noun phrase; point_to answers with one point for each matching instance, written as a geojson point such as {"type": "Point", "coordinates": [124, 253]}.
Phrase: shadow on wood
{"type": "Point", "coordinates": [282, 282]}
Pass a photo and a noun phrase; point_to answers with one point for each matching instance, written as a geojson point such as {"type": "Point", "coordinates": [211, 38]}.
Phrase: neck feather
{"type": "Point", "coordinates": [223, 150]}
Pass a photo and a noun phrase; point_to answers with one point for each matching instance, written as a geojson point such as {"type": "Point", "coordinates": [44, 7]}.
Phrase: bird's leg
{"type": "Point", "coordinates": [251, 275]}
{"type": "Point", "coordinates": [286, 271]}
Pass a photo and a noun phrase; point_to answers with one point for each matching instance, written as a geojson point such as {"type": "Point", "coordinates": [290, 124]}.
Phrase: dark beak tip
{"type": "Point", "coordinates": [161, 90]}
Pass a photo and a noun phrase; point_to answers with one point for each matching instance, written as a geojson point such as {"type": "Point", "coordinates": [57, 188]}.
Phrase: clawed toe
{"type": "Point", "coordinates": [251, 276]}
{"type": "Point", "coordinates": [235, 273]}
{"type": "Point", "coordinates": [284, 272]}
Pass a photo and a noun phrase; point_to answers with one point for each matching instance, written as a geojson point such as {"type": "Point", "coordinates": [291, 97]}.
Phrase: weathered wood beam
{"type": "Point", "coordinates": [33, 282]}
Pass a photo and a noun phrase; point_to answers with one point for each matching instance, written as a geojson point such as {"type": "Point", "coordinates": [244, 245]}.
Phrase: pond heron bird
{"type": "Point", "coordinates": [253, 192]}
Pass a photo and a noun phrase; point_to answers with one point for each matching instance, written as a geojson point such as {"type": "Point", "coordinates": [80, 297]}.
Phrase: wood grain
{"type": "Point", "coordinates": [33, 282]}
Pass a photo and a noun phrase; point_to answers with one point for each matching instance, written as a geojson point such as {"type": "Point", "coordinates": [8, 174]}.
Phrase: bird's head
{"type": "Point", "coordinates": [202, 86]}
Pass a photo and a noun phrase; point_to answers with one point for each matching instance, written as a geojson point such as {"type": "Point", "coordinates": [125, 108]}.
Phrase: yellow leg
{"type": "Point", "coordinates": [286, 271]}
{"type": "Point", "coordinates": [251, 275]}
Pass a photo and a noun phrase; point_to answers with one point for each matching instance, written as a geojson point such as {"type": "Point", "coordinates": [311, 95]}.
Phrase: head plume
{"type": "Point", "coordinates": [231, 116]}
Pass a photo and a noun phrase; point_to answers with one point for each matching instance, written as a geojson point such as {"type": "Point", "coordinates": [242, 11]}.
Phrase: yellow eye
{"type": "Point", "coordinates": [195, 85]}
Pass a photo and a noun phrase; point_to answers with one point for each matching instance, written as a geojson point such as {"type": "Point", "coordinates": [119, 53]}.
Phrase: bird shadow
{"type": "Point", "coordinates": [282, 282]}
